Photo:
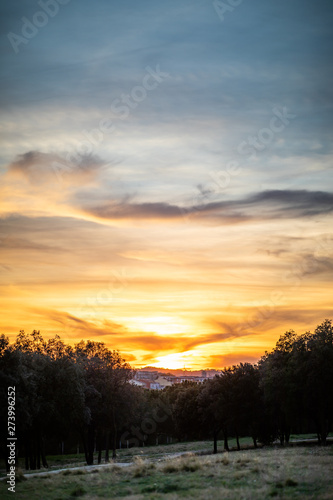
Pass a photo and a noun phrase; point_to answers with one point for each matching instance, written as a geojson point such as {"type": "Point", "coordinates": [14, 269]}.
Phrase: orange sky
{"type": "Point", "coordinates": [166, 177]}
{"type": "Point", "coordinates": [168, 293]}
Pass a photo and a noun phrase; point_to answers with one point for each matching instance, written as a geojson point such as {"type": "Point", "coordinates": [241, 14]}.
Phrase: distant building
{"type": "Point", "coordinates": [162, 382]}
{"type": "Point", "coordinates": [188, 378]}
{"type": "Point", "coordinates": [158, 381]}
{"type": "Point", "coordinates": [137, 383]}
{"type": "Point", "coordinates": [149, 375]}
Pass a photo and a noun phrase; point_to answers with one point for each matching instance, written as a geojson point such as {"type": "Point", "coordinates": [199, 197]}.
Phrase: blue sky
{"type": "Point", "coordinates": [200, 155]}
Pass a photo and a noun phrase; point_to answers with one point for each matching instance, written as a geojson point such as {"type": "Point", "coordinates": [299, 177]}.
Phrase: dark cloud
{"type": "Point", "coordinates": [136, 210]}
{"type": "Point", "coordinates": [175, 343]}
{"type": "Point", "coordinates": [301, 203]}
{"type": "Point", "coordinates": [74, 326]}
{"type": "Point", "coordinates": [265, 205]}
{"type": "Point", "coordinates": [269, 316]}
{"type": "Point", "coordinates": [39, 168]}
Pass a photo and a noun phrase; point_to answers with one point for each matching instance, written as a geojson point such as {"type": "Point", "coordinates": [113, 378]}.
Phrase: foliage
{"type": "Point", "coordinates": [67, 394]}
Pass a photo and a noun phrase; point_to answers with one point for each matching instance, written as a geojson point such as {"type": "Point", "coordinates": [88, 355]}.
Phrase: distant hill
{"type": "Point", "coordinates": [180, 372]}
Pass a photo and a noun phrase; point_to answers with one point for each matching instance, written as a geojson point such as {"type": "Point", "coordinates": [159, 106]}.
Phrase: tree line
{"type": "Point", "coordinates": [82, 394]}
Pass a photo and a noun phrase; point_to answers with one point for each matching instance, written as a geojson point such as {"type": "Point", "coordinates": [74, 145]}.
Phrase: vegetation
{"type": "Point", "coordinates": [263, 473]}
{"type": "Point", "coordinates": [71, 397]}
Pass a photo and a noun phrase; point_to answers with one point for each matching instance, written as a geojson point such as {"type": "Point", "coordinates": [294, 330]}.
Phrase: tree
{"type": "Point", "coordinates": [185, 414]}
{"type": "Point", "coordinates": [213, 408]}
{"type": "Point", "coordinates": [277, 381]}
{"type": "Point", "coordinates": [317, 375]}
{"type": "Point", "coordinates": [106, 376]}
{"type": "Point", "coordinates": [245, 401]}
{"type": "Point", "coordinates": [296, 378]}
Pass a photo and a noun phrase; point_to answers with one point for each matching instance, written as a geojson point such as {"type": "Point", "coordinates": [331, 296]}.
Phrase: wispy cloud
{"type": "Point", "coordinates": [278, 203]}
{"type": "Point", "coordinates": [101, 172]}
{"type": "Point", "coordinates": [40, 168]}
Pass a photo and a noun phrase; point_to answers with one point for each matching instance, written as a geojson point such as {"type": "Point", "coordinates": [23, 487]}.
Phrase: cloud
{"type": "Point", "coordinates": [73, 328]}
{"type": "Point", "coordinates": [115, 210]}
{"type": "Point", "coordinates": [175, 343]}
{"type": "Point", "coordinates": [200, 256]}
{"type": "Point", "coordinates": [293, 203]}
{"type": "Point", "coordinates": [119, 336]}
{"type": "Point", "coordinates": [260, 206]}
{"type": "Point", "coordinates": [40, 168]}
{"type": "Point", "coordinates": [220, 361]}
{"type": "Point", "coordinates": [269, 317]}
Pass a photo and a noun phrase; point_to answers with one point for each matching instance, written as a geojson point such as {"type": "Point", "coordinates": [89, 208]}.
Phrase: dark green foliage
{"type": "Point", "coordinates": [297, 381]}
{"type": "Point", "coordinates": [61, 392]}
{"type": "Point", "coordinates": [66, 393]}
{"type": "Point", "coordinates": [291, 482]}
{"type": "Point", "coordinates": [78, 492]}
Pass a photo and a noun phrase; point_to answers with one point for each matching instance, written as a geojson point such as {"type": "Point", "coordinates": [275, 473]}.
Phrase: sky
{"type": "Point", "coordinates": [166, 174]}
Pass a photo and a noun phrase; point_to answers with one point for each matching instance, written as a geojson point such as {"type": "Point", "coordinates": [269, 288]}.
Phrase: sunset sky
{"type": "Point", "coordinates": [166, 174]}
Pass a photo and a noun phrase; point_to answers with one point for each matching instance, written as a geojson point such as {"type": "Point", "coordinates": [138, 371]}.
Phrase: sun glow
{"type": "Point", "coordinates": [161, 325]}
{"type": "Point", "coordinates": [175, 361]}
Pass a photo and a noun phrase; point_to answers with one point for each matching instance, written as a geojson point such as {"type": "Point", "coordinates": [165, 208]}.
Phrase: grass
{"type": "Point", "coordinates": [285, 473]}
{"type": "Point", "coordinates": [155, 452]}
{"type": "Point", "coordinates": [127, 454]}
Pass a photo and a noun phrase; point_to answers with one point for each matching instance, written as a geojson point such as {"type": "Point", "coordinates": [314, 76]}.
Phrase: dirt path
{"type": "Point", "coordinates": [87, 468]}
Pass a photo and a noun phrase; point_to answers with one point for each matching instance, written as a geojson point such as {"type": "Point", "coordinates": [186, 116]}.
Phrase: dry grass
{"type": "Point", "coordinates": [305, 473]}
{"type": "Point", "coordinates": [186, 463]}
{"type": "Point", "coordinates": [142, 467]}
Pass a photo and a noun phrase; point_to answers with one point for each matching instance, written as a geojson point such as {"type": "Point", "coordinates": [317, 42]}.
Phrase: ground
{"type": "Point", "coordinates": [293, 472]}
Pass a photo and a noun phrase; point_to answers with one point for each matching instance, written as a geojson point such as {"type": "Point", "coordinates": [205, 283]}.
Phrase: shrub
{"type": "Point", "coordinates": [78, 492]}
{"type": "Point", "coordinates": [142, 467]}
{"type": "Point", "coordinates": [291, 482]}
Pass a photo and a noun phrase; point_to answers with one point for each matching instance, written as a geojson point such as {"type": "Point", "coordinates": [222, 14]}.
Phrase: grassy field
{"type": "Point", "coordinates": [127, 454]}
{"type": "Point", "coordinates": [296, 472]}
{"type": "Point", "coordinates": [153, 452]}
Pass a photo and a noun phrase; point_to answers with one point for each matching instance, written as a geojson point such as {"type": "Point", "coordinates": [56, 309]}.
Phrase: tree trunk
{"type": "Point", "coordinates": [99, 446]}
{"type": "Point", "coordinates": [107, 444]}
{"type": "Point", "coordinates": [237, 441]}
{"type": "Point", "coordinates": [114, 442]}
{"type": "Point", "coordinates": [26, 452]}
{"type": "Point", "coordinates": [33, 454]}
{"type": "Point", "coordinates": [254, 442]}
{"type": "Point", "coordinates": [215, 442]}
{"type": "Point", "coordinates": [38, 450]}
{"type": "Point", "coordinates": [84, 445]}
{"type": "Point", "coordinates": [225, 438]}
{"type": "Point", "coordinates": [114, 447]}
{"type": "Point", "coordinates": [323, 431]}
{"type": "Point", "coordinates": [287, 435]}
{"type": "Point", "coordinates": [30, 454]}
{"type": "Point", "coordinates": [91, 444]}
{"type": "Point", "coordinates": [42, 451]}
